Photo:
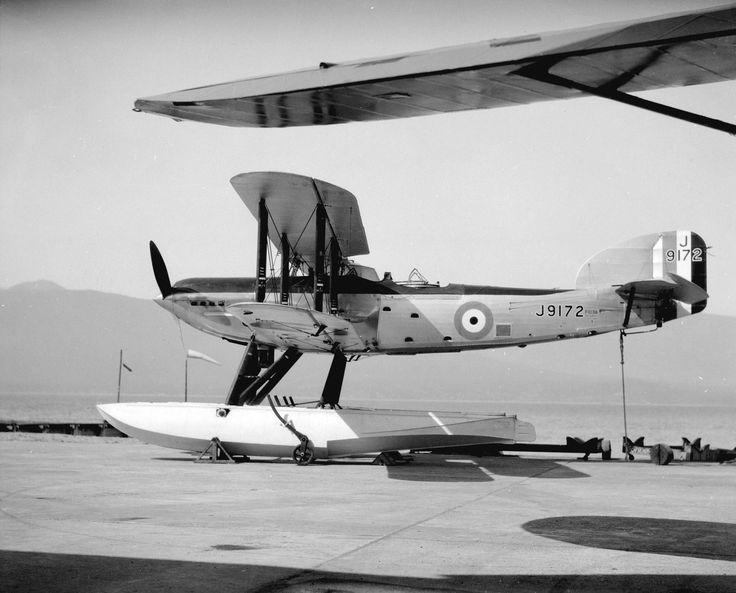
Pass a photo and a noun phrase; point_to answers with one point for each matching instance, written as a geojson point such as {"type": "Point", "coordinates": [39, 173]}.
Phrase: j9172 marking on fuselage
{"type": "Point", "coordinates": [560, 311]}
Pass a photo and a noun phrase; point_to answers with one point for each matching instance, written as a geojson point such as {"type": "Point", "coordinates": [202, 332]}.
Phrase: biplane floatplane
{"type": "Point", "coordinates": [324, 302]}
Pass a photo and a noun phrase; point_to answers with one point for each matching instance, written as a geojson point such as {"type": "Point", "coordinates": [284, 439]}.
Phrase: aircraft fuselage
{"type": "Point", "coordinates": [389, 318]}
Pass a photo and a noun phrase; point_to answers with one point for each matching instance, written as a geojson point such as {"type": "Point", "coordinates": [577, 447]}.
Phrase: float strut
{"type": "Point", "coordinates": [333, 384]}
{"type": "Point", "coordinates": [262, 386]}
{"type": "Point", "coordinates": [247, 374]}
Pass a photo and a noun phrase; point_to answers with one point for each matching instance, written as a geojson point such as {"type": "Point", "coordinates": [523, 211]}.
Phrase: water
{"type": "Point", "coordinates": [657, 423]}
{"type": "Point", "coordinates": [553, 421]}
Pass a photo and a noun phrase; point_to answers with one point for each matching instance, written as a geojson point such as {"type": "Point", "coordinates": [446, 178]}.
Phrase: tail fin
{"type": "Point", "coordinates": [673, 262]}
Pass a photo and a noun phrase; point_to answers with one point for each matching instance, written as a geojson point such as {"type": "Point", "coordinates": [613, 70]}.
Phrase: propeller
{"type": "Point", "coordinates": [159, 271]}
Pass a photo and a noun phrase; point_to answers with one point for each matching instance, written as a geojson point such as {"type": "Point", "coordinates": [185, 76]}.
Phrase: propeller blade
{"type": "Point", "coordinates": [159, 271]}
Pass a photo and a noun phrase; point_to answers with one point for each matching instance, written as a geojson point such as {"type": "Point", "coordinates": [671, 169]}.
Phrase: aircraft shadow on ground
{"type": "Point", "coordinates": [32, 572]}
{"type": "Point", "coordinates": [672, 537]}
{"type": "Point", "coordinates": [440, 468]}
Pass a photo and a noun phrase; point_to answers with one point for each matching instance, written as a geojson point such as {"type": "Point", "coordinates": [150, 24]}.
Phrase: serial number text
{"type": "Point", "coordinates": [560, 311]}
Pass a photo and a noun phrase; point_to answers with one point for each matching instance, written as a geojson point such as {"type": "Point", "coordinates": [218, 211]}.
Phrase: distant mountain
{"type": "Point", "coordinates": [54, 340]}
{"type": "Point", "coordinates": [69, 341]}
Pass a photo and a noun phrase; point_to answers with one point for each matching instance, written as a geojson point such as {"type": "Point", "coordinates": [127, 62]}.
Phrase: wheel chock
{"type": "Point", "coordinates": [661, 454]}
{"type": "Point", "coordinates": [215, 453]}
{"type": "Point", "coordinates": [391, 458]}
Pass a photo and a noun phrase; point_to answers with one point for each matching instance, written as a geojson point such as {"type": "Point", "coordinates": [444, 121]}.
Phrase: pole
{"type": "Point", "coordinates": [120, 373]}
{"type": "Point", "coordinates": [623, 394]}
{"type": "Point", "coordinates": [186, 376]}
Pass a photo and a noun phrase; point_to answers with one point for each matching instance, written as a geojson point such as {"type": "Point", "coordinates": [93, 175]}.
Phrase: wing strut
{"type": "Point", "coordinates": [285, 270]}
{"type": "Point", "coordinates": [262, 249]}
{"type": "Point", "coordinates": [319, 256]}
{"type": "Point", "coordinates": [334, 273]}
{"type": "Point", "coordinates": [540, 72]}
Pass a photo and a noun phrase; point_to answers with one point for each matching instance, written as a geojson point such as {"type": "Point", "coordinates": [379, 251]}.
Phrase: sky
{"type": "Point", "coordinates": [512, 197]}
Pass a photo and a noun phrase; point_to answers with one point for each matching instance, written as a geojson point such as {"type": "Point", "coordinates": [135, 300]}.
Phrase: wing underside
{"type": "Point", "coordinates": [610, 61]}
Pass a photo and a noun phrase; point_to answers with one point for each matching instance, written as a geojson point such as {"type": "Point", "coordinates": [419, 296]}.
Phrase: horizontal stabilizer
{"type": "Point", "coordinates": [681, 290]}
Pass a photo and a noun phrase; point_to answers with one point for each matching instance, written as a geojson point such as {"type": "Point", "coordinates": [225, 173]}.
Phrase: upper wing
{"type": "Point", "coordinates": [291, 201]}
{"type": "Point", "coordinates": [608, 60]}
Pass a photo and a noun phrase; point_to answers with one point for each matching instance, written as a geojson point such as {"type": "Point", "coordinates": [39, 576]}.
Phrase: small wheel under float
{"type": "Point", "coordinates": [303, 455]}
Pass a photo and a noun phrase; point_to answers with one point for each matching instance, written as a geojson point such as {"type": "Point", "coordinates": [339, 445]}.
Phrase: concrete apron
{"type": "Point", "coordinates": [103, 514]}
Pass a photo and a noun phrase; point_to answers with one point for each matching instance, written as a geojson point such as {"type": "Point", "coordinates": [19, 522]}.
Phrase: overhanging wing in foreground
{"type": "Point", "coordinates": [608, 60]}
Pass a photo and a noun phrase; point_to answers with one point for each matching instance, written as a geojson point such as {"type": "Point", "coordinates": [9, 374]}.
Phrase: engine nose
{"type": "Point", "coordinates": [166, 303]}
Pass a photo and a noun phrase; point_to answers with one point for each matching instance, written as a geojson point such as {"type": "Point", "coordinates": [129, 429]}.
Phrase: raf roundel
{"type": "Point", "coordinates": [473, 320]}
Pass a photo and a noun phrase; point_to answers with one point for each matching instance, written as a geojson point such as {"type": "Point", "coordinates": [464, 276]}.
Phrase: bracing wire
{"type": "Point", "coordinates": [181, 334]}
{"type": "Point", "coordinates": [304, 228]}
{"type": "Point", "coordinates": [271, 260]}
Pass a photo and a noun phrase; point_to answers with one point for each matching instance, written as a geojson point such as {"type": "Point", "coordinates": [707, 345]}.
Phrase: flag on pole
{"type": "Point", "coordinates": [121, 365]}
{"type": "Point", "coordinates": [200, 356]}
